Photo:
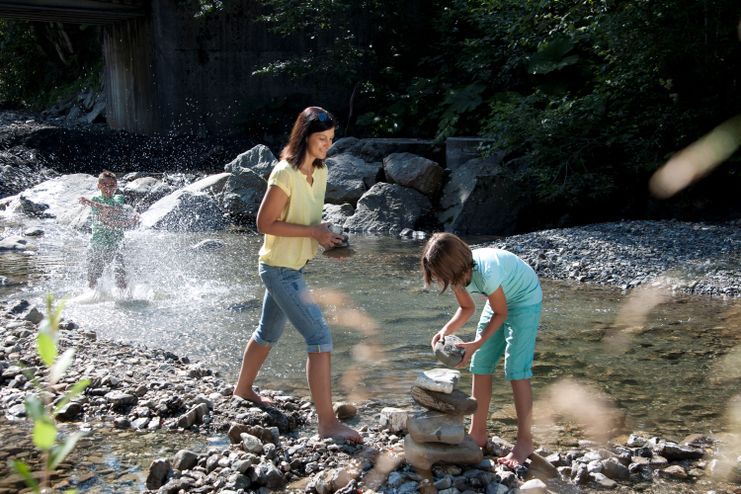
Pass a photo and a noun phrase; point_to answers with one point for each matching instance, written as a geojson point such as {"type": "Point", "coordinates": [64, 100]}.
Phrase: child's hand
{"type": "Point", "coordinates": [85, 201]}
{"type": "Point", "coordinates": [437, 337]}
{"type": "Point", "coordinates": [469, 349]}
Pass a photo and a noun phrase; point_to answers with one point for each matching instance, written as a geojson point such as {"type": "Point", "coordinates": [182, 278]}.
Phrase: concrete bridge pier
{"type": "Point", "coordinates": [130, 83]}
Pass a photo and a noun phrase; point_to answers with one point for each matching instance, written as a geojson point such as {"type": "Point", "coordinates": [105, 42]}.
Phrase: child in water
{"type": "Point", "coordinates": [508, 326]}
{"type": "Point", "coordinates": [109, 220]}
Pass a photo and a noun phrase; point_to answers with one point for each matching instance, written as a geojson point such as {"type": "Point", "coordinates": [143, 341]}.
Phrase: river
{"type": "Point", "coordinates": [666, 370]}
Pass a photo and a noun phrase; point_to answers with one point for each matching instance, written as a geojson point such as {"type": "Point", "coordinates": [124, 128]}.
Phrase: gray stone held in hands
{"type": "Point", "coordinates": [447, 352]}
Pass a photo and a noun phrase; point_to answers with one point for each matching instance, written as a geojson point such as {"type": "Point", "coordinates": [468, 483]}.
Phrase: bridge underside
{"type": "Point", "coordinates": [73, 11]}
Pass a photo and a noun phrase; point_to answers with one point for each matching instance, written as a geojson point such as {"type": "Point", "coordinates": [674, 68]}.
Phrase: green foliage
{"type": "Point", "coordinates": [45, 434]}
{"type": "Point", "coordinates": [42, 62]}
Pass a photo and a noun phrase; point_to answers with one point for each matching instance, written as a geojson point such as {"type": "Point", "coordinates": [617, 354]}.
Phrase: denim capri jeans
{"type": "Point", "coordinates": [287, 298]}
{"type": "Point", "coordinates": [515, 339]}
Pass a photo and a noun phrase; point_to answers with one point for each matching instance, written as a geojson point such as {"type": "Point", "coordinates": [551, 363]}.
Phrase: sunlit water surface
{"type": "Point", "coordinates": [667, 378]}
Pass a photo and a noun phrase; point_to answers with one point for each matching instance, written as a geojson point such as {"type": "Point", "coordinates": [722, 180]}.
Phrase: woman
{"type": "Point", "coordinates": [290, 219]}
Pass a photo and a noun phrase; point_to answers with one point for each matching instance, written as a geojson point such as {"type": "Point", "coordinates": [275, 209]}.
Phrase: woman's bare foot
{"type": "Point", "coordinates": [255, 398]}
{"type": "Point", "coordinates": [518, 455]}
{"type": "Point", "coordinates": [338, 430]}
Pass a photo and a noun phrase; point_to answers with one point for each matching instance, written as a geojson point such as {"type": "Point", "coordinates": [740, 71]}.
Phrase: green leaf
{"type": "Point", "coordinates": [59, 452]}
{"type": "Point", "coordinates": [47, 348]}
{"type": "Point", "coordinates": [61, 365]}
{"type": "Point", "coordinates": [24, 471]}
{"type": "Point", "coordinates": [75, 390]}
{"type": "Point", "coordinates": [44, 434]}
{"type": "Point", "coordinates": [35, 408]}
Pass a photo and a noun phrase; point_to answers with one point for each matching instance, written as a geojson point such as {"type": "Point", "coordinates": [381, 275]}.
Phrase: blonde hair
{"type": "Point", "coordinates": [447, 260]}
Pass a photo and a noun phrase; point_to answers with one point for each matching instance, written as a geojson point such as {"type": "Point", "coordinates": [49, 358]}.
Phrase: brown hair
{"type": "Point", "coordinates": [107, 174]}
{"type": "Point", "coordinates": [447, 260]}
{"type": "Point", "coordinates": [310, 121]}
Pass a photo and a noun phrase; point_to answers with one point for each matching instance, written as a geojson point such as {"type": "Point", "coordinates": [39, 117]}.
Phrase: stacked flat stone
{"type": "Point", "coordinates": [437, 435]}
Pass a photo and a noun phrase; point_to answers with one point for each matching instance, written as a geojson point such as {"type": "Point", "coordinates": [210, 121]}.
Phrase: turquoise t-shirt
{"type": "Point", "coordinates": [496, 267]}
{"type": "Point", "coordinates": [105, 236]}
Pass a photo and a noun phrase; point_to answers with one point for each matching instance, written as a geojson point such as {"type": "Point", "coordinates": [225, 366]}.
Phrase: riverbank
{"type": "Point", "coordinates": [155, 391]}
{"type": "Point", "coordinates": [683, 257]}
{"type": "Point", "coordinates": [151, 391]}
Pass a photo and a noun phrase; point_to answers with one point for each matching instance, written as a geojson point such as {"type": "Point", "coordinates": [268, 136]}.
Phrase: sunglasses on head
{"type": "Point", "coordinates": [322, 117]}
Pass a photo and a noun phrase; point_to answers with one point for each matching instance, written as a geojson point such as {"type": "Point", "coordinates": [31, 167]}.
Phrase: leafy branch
{"type": "Point", "coordinates": [39, 408]}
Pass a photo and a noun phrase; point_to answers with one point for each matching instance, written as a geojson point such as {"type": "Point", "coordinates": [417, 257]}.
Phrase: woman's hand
{"type": "Point", "coordinates": [326, 237]}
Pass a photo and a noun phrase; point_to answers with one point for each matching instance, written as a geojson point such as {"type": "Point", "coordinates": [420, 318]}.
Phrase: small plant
{"type": "Point", "coordinates": [39, 407]}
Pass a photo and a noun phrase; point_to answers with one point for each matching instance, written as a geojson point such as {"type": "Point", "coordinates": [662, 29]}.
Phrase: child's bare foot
{"type": "Point", "coordinates": [338, 430]}
{"type": "Point", "coordinates": [255, 398]}
{"type": "Point", "coordinates": [518, 455]}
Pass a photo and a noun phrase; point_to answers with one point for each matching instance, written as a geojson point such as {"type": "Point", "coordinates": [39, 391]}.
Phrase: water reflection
{"type": "Point", "coordinates": [662, 377]}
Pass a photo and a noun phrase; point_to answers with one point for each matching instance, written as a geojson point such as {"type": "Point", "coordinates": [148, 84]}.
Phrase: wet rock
{"type": "Point", "coordinates": [251, 444]}
{"type": "Point", "coordinates": [159, 470]}
{"type": "Point", "coordinates": [457, 402]}
{"type": "Point", "coordinates": [345, 410]}
{"type": "Point", "coordinates": [440, 380]}
{"type": "Point", "coordinates": [349, 178]}
{"type": "Point", "coordinates": [13, 243]}
{"type": "Point", "coordinates": [69, 412]}
{"type": "Point", "coordinates": [447, 352]}
{"type": "Point", "coordinates": [120, 400]}
{"type": "Point", "coordinates": [331, 481]}
{"type": "Point", "coordinates": [436, 427]}
{"type": "Point", "coordinates": [394, 419]}
{"type": "Point", "coordinates": [174, 486]}
{"type": "Point", "coordinates": [190, 209]}
{"type": "Point", "coordinates": [424, 455]}
{"type": "Point", "coordinates": [193, 416]}
{"type": "Point", "coordinates": [414, 171]}
{"type": "Point", "coordinates": [601, 480]}
{"type": "Point", "coordinates": [388, 208]}
{"type": "Point", "coordinates": [676, 472]}
{"type": "Point", "coordinates": [615, 470]}
{"type": "Point", "coordinates": [268, 475]}
{"type": "Point", "coordinates": [674, 452]}
{"type": "Point", "coordinates": [185, 460]}
{"type": "Point", "coordinates": [534, 486]}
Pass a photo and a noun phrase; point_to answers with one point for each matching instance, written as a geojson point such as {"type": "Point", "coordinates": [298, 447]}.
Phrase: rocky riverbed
{"type": "Point", "coordinates": [145, 391]}
{"type": "Point", "coordinates": [151, 391]}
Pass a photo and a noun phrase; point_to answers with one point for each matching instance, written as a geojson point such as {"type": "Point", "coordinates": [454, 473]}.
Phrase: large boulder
{"type": "Point", "coordinates": [192, 208]}
{"type": "Point", "coordinates": [414, 171]}
{"type": "Point", "coordinates": [57, 198]}
{"type": "Point", "coordinates": [349, 178]}
{"type": "Point", "coordinates": [142, 192]}
{"type": "Point", "coordinates": [259, 159]}
{"type": "Point", "coordinates": [372, 150]}
{"type": "Point", "coordinates": [337, 214]}
{"type": "Point", "coordinates": [242, 195]}
{"type": "Point", "coordinates": [389, 208]}
{"type": "Point", "coordinates": [482, 198]}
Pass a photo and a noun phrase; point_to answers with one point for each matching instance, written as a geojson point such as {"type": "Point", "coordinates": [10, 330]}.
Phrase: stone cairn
{"type": "Point", "coordinates": [438, 434]}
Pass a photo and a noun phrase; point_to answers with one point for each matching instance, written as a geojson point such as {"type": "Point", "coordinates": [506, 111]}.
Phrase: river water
{"type": "Point", "coordinates": [666, 368]}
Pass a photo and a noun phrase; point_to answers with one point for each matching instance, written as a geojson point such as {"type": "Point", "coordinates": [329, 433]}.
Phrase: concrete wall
{"type": "Point", "coordinates": [202, 69]}
{"type": "Point", "coordinates": [176, 72]}
{"type": "Point", "coordinates": [131, 90]}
